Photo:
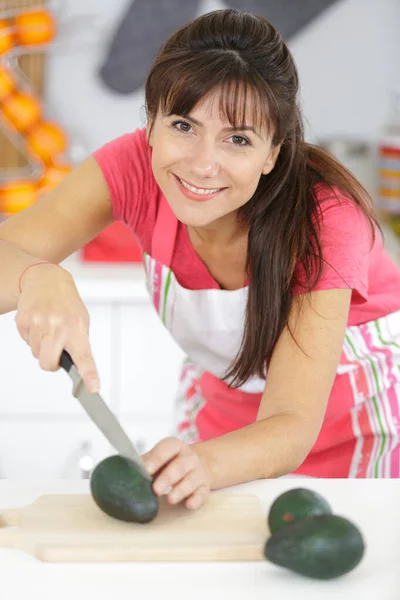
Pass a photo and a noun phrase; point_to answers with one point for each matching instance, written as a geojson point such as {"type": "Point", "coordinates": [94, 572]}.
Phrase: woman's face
{"type": "Point", "coordinates": [222, 166]}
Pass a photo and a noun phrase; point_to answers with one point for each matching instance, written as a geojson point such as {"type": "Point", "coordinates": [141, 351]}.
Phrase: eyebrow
{"type": "Point", "coordinates": [244, 128]}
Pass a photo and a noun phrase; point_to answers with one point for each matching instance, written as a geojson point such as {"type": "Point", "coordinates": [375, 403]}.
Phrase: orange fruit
{"type": "Point", "coordinates": [22, 110]}
{"type": "Point", "coordinates": [6, 36]}
{"type": "Point", "coordinates": [46, 140]}
{"type": "Point", "coordinates": [52, 177]}
{"type": "Point", "coordinates": [34, 27]}
{"type": "Point", "coordinates": [16, 196]}
{"type": "Point", "coordinates": [7, 83]}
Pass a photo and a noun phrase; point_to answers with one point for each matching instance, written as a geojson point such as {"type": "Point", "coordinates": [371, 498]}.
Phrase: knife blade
{"type": "Point", "coordinates": [102, 416]}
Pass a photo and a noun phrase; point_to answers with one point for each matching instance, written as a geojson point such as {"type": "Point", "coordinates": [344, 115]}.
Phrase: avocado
{"type": "Point", "coordinates": [320, 546]}
{"type": "Point", "coordinates": [296, 504]}
{"type": "Point", "coordinates": [121, 491]}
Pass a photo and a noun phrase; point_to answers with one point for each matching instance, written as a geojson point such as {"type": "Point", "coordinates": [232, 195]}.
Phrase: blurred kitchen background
{"type": "Point", "coordinates": [71, 78]}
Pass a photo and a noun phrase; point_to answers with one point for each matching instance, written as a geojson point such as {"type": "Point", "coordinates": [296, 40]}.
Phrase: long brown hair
{"type": "Point", "coordinates": [238, 51]}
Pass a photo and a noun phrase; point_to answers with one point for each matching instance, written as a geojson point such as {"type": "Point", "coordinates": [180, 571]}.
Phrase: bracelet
{"type": "Point", "coordinates": [43, 262]}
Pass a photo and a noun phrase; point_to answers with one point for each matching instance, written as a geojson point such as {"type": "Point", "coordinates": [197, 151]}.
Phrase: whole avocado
{"type": "Point", "coordinates": [296, 504]}
{"type": "Point", "coordinates": [320, 547]}
{"type": "Point", "coordinates": [121, 491]}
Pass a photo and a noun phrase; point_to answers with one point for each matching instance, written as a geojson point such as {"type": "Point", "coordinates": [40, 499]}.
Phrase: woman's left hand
{"type": "Point", "coordinates": [179, 472]}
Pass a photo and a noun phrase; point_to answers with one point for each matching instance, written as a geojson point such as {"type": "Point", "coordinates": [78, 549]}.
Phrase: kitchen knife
{"type": "Point", "coordinates": [101, 415]}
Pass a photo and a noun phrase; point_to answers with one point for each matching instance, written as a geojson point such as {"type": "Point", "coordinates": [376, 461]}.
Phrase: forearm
{"type": "Point", "coordinates": [265, 449]}
{"type": "Point", "coordinates": [13, 261]}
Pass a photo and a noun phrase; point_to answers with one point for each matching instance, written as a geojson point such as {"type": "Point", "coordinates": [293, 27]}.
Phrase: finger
{"type": "Point", "coordinates": [82, 357]}
{"type": "Point", "coordinates": [174, 472]}
{"type": "Point", "coordinates": [35, 333]}
{"type": "Point", "coordinates": [162, 453]}
{"type": "Point", "coordinates": [22, 324]}
{"type": "Point", "coordinates": [186, 487]}
{"type": "Point", "coordinates": [50, 352]}
{"type": "Point", "coordinates": [35, 341]}
{"type": "Point", "coordinates": [197, 498]}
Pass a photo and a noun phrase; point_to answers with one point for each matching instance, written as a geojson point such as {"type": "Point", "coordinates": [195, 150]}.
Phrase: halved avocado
{"type": "Point", "coordinates": [121, 491]}
{"type": "Point", "coordinates": [296, 504]}
{"type": "Point", "coordinates": [321, 547]}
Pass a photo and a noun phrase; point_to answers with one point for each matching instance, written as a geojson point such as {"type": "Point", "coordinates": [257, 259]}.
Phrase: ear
{"type": "Point", "coordinates": [271, 160]}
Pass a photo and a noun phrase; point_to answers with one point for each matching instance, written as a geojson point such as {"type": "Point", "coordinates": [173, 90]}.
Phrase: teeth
{"type": "Point", "coordinates": [197, 190]}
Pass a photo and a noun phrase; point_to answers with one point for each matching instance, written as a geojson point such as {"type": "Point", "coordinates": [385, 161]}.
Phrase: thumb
{"type": "Point", "coordinates": [82, 356]}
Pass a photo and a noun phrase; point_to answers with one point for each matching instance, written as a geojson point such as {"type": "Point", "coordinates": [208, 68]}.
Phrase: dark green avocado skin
{"type": "Point", "coordinates": [320, 547]}
{"type": "Point", "coordinates": [122, 492]}
{"type": "Point", "coordinates": [296, 504]}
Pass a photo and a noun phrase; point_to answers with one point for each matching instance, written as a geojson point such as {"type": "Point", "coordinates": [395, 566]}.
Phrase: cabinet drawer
{"type": "Point", "coordinates": [149, 363]}
{"type": "Point", "coordinates": [34, 450]}
{"type": "Point", "coordinates": [26, 388]}
{"type": "Point", "coordinates": [66, 450]}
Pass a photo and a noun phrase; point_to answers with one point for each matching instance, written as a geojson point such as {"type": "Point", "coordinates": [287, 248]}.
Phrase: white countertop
{"type": "Point", "coordinates": [373, 505]}
{"type": "Point", "coordinates": [104, 282]}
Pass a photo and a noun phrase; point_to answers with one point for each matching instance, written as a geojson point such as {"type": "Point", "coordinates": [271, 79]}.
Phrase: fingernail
{"type": "Point", "coordinates": [162, 488]}
{"type": "Point", "coordinates": [149, 467]}
{"type": "Point", "coordinates": [194, 504]}
{"type": "Point", "coordinates": [159, 488]}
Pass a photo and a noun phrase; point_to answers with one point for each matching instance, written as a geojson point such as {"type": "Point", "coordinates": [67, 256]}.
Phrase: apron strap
{"type": "Point", "coordinates": [164, 234]}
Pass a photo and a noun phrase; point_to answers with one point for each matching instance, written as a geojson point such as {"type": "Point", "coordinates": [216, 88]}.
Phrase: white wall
{"type": "Point", "coordinates": [348, 59]}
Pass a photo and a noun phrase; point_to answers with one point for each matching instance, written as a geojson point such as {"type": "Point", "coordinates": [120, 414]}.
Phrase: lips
{"type": "Point", "coordinates": [196, 195]}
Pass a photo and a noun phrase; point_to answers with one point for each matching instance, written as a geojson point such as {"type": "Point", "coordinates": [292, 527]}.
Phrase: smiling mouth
{"type": "Point", "coordinates": [196, 190]}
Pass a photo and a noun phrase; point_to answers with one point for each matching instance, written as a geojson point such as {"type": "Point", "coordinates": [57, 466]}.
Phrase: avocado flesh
{"type": "Point", "coordinates": [320, 547]}
{"type": "Point", "coordinates": [296, 504]}
{"type": "Point", "coordinates": [121, 491]}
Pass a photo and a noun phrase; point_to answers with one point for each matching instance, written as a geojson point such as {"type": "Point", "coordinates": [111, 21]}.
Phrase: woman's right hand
{"type": "Point", "coordinates": [51, 317]}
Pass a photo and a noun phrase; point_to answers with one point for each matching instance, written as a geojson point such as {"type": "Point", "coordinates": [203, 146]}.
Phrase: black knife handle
{"type": "Point", "coordinates": [66, 361]}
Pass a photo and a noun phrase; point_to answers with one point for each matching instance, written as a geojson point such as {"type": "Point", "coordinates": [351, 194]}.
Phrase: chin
{"type": "Point", "coordinates": [194, 216]}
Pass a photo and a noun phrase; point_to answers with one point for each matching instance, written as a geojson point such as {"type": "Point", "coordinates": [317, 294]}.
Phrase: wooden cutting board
{"type": "Point", "coordinates": [72, 528]}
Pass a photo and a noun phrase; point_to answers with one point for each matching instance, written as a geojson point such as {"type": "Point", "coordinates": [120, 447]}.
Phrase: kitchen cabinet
{"type": "Point", "coordinates": [25, 389]}
{"type": "Point", "coordinates": [149, 362]}
{"type": "Point", "coordinates": [44, 448]}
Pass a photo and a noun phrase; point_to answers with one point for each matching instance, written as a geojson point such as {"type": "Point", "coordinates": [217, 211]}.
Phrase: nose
{"type": "Point", "coordinates": [204, 161]}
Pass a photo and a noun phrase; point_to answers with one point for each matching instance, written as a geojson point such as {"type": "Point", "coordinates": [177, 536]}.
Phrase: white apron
{"type": "Point", "coordinates": [207, 324]}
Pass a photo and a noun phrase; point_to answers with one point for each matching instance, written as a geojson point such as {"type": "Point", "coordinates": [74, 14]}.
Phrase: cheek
{"type": "Point", "coordinates": [247, 176]}
{"type": "Point", "coordinates": [159, 160]}
{"type": "Point", "coordinates": [166, 155]}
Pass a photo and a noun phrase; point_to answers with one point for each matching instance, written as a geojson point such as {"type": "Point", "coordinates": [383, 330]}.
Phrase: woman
{"type": "Point", "coordinates": [263, 260]}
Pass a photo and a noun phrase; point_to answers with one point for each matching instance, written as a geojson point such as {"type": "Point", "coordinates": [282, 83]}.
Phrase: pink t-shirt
{"type": "Point", "coordinates": [349, 260]}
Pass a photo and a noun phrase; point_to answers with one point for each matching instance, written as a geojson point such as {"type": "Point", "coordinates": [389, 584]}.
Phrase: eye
{"type": "Point", "coordinates": [240, 140]}
{"type": "Point", "coordinates": [182, 126]}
